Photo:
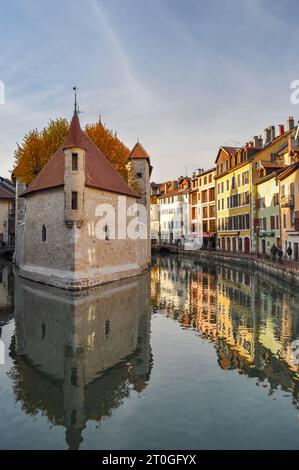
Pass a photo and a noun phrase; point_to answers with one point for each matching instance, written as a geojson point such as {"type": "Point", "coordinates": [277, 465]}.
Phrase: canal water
{"type": "Point", "coordinates": [188, 356]}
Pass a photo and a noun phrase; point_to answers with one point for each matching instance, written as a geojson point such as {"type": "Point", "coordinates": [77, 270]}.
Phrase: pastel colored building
{"type": "Point", "coordinates": [7, 212]}
{"type": "Point", "coordinates": [289, 209]}
{"type": "Point", "coordinates": [174, 213]}
{"type": "Point", "coordinates": [237, 172]}
{"type": "Point", "coordinates": [267, 194]}
{"type": "Point", "coordinates": [202, 211]}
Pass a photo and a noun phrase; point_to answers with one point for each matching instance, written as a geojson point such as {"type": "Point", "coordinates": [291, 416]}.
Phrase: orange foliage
{"type": "Point", "coordinates": [107, 141]}
{"type": "Point", "coordinates": [38, 147]}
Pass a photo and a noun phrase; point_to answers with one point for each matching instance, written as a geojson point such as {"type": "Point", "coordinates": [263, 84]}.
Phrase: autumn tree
{"type": "Point", "coordinates": [109, 144]}
{"type": "Point", "coordinates": [38, 147]}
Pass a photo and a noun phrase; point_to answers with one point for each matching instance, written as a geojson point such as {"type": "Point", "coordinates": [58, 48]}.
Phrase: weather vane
{"type": "Point", "coordinates": [76, 107]}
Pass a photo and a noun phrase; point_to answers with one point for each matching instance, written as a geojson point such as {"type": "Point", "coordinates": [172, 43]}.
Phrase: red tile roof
{"type": "Point", "coordinates": [6, 194]}
{"type": "Point", "coordinates": [231, 150]}
{"type": "Point", "coordinates": [99, 173]}
{"type": "Point", "coordinates": [175, 192]}
{"type": "Point", "coordinates": [138, 152]}
{"type": "Point", "coordinates": [75, 136]}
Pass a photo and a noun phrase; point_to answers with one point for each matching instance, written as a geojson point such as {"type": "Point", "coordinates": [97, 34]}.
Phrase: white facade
{"type": "Point", "coordinates": [155, 221]}
{"type": "Point", "coordinates": [174, 217]}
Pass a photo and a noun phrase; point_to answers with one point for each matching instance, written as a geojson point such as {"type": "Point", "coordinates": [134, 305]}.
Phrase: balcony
{"type": "Point", "coordinates": [287, 201]}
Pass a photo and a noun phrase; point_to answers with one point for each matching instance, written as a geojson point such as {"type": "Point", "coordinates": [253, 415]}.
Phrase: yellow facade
{"type": "Point", "coordinates": [237, 173]}
{"type": "Point", "coordinates": [233, 206]}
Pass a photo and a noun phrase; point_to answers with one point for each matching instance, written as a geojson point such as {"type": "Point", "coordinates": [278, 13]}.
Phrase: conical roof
{"type": "Point", "coordinates": [99, 173]}
{"type": "Point", "coordinates": [138, 152]}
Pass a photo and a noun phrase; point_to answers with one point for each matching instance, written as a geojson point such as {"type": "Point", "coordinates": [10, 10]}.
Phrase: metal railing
{"type": "Point", "coordinates": [287, 201]}
{"type": "Point", "coordinates": [284, 261]}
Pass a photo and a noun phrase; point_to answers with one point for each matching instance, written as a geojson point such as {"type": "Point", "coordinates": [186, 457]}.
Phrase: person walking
{"type": "Point", "coordinates": [289, 252]}
{"type": "Point", "coordinates": [279, 254]}
{"type": "Point", "coordinates": [274, 251]}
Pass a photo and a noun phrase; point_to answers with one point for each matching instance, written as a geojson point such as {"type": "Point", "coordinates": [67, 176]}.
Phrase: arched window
{"type": "Point", "coordinates": [44, 233]}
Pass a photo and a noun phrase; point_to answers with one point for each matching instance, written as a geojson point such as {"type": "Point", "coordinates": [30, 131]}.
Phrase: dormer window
{"type": "Point", "coordinates": [74, 162]}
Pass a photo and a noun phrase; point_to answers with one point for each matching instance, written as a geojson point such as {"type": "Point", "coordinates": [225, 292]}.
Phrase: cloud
{"type": "Point", "coordinates": [132, 85]}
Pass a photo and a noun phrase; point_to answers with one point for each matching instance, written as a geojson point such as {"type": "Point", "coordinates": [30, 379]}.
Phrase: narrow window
{"type": "Point", "coordinates": [43, 330]}
{"type": "Point", "coordinates": [107, 328]}
{"type": "Point", "coordinates": [139, 175]}
{"type": "Point", "coordinates": [106, 232]}
{"type": "Point", "coordinates": [74, 200]}
{"type": "Point", "coordinates": [74, 161]}
{"type": "Point", "coordinates": [44, 234]}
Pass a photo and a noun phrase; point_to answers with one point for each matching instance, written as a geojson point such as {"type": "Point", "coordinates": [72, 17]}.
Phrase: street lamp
{"type": "Point", "coordinates": [257, 231]}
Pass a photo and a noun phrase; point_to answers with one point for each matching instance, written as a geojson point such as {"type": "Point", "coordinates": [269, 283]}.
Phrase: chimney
{"type": "Point", "coordinates": [267, 135]}
{"type": "Point", "coordinates": [290, 123]}
{"type": "Point", "coordinates": [272, 132]}
{"type": "Point", "coordinates": [258, 141]}
{"type": "Point", "coordinates": [280, 129]}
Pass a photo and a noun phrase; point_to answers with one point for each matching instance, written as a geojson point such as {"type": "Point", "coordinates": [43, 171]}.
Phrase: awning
{"type": "Point", "coordinates": [263, 233]}
{"type": "Point", "coordinates": [229, 234]}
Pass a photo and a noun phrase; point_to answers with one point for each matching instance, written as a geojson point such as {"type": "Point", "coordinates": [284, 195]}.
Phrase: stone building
{"type": "Point", "coordinates": [83, 225]}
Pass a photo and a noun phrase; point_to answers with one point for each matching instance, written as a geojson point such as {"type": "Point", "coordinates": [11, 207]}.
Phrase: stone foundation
{"type": "Point", "coordinates": [79, 280]}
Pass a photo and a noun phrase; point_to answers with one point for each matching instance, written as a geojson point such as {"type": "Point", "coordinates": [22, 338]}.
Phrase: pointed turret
{"type": "Point", "coordinates": [74, 173]}
{"type": "Point", "coordinates": [138, 152]}
{"type": "Point", "coordinates": [75, 136]}
{"type": "Point", "coordinates": [139, 172]}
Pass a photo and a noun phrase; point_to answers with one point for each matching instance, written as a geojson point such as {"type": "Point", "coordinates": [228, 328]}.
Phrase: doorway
{"type": "Point", "coordinates": [247, 245]}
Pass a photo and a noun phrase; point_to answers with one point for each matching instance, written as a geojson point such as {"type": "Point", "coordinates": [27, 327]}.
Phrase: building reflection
{"type": "Point", "coordinates": [6, 295]}
{"type": "Point", "coordinates": [252, 320]}
{"type": "Point", "coordinates": [76, 358]}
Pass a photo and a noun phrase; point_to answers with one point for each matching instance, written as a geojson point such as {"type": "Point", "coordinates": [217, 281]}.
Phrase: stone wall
{"type": "Point", "coordinates": [74, 257]}
{"type": "Point", "coordinates": [141, 166]}
{"type": "Point", "coordinates": [47, 208]}
{"type": "Point", "coordinates": [280, 271]}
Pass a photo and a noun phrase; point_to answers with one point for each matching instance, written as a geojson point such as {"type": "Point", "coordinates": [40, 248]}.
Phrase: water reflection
{"type": "Point", "coordinates": [75, 358]}
{"type": "Point", "coordinates": [6, 294]}
{"type": "Point", "coordinates": [81, 362]}
{"type": "Point", "coordinates": [253, 320]}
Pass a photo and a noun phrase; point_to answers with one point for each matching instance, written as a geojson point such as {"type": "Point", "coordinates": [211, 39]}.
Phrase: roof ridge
{"type": "Point", "coordinates": [99, 172]}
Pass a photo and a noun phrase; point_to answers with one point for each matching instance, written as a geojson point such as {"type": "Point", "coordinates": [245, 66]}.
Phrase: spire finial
{"type": "Point", "coordinates": [100, 119]}
{"type": "Point", "coordinates": [75, 106]}
{"type": "Point", "coordinates": [137, 140]}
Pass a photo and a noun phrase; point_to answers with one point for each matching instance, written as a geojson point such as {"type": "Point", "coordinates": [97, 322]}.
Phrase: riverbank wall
{"type": "Point", "coordinates": [280, 270]}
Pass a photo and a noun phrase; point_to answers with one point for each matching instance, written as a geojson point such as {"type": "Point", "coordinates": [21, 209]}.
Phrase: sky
{"type": "Point", "coordinates": [183, 76]}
